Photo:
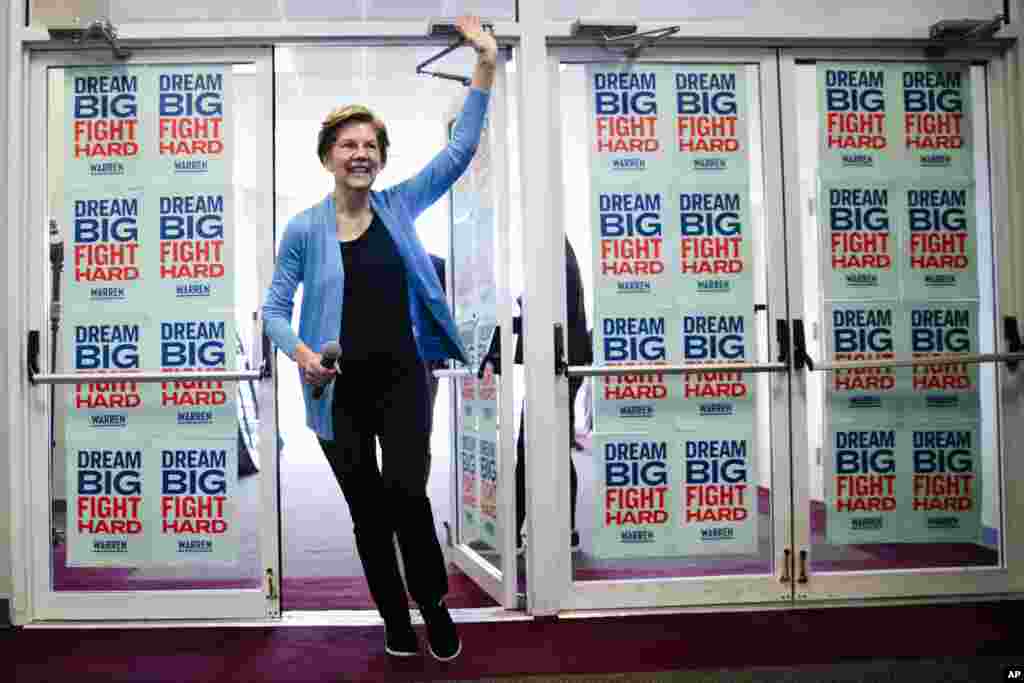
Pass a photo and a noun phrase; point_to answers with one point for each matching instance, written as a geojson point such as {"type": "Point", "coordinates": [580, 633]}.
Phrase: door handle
{"type": "Point", "coordinates": [690, 369]}
{"type": "Point", "coordinates": [32, 353]}
{"type": "Point", "coordinates": [801, 358]}
{"type": "Point", "coordinates": [148, 377]}
{"type": "Point", "coordinates": [948, 359]}
{"type": "Point", "coordinates": [561, 364]}
{"type": "Point", "coordinates": [266, 370]}
{"type": "Point", "coordinates": [782, 340]}
{"type": "Point", "coordinates": [1013, 342]}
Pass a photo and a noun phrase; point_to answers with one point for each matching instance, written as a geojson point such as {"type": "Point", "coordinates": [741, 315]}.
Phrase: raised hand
{"type": "Point", "coordinates": [482, 41]}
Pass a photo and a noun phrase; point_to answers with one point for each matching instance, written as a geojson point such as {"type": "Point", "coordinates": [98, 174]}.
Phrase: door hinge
{"type": "Point", "coordinates": [802, 577]}
{"type": "Point", "coordinates": [271, 585]}
{"type": "Point", "coordinates": [787, 564]}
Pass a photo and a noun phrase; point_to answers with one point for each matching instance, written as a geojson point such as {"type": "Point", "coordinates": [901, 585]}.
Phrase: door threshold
{"type": "Point", "coordinates": [841, 603]}
{"type": "Point", "coordinates": [366, 617]}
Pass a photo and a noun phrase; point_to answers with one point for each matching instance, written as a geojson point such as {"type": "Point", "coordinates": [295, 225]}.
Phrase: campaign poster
{"type": "Point", "coordinates": [104, 250]}
{"type": "Point", "coordinates": [860, 232]}
{"type": "Point", "coordinates": [472, 234]}
{"type": "Point", "coordinates": [635, 402]}
{"type": "Point", "coordinates": [857, 332]}
{"type": "Point", "coordinates": [468, 401]}
{"type": "Point", "coordinates": [710, 335]}
{"type": "Point", "coordinates": [940, 242]}
{"type": "Point", "coordinates": [487, 474]}
{"type": "Point", "coordinates": [936, 120]}
{"type": "Point", "coordinates": [467, 289]}
{"type": "Point", "coordinates": [718, 490]}
{"type": "Point", "coordinates": [189, 123]}
{"type": "Point", "coordinates": [898, 121]}
{"type": "Point", "coordinates": [629, 122]}
{"type": "Point", "coordinates": [195, 484]}
{"type": "Point", "coordinates": [712, 109]}
{"type": "Point", "coordinates": [469, 485]}
{"type": "Point", "coordinates": [104, 125]}
{"type": "Point", "coordinates": [195, 408]}
{"type": "Point", "coordinates": [663, 122]}
{"type": "Point", "coordinates": [108, 515]}
{"type": "Point", "coordinates": [865, 476]}
{"type": "Point", "coordinates": [915, 484]}
{"type": "Point", "coordinates": [147, 226]}
{"type": "Point", "coordinates": [634, 250]}
{"type": "Point", "coordinates": [946, 486]}
{"type": "Point", "coordinates": [193, 229]}
{"type": "Point", "coordinates": [637, 516]}
{"type": "Point", "coordinates": [486, 386]}
{"type": "Point", "coordinates": [716, 245]}
{"type": "Point", "coordinates": [858, 121]}
{"type": "Point", "coordinates": [950, 390]}
{"type": "Point", "coordinates": [106, 344]}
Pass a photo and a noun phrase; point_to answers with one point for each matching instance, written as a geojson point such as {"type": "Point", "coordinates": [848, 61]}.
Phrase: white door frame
{"type": "Point", "coordinates": [920, 583]}
{"type": "Point", "coordinates": [43, 602]}
{"type": "Point", "coordinates": [499, 583]}
{"type": "Point", "coordinates": [549, 505]}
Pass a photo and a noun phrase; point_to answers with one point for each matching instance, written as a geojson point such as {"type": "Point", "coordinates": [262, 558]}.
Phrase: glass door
{"type": "Point", "coordinates": [680, 439]}
{"type": "Point", "coordinates": [904, 405]}
{"type": "Point", "coordinates": [482, 531]}
{"type": "Point", "coordinates": [153, 472]}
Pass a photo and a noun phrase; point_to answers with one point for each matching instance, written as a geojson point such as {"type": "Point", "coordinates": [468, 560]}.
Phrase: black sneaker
{"type": "Point", "coordinates": [400, 641]}
{"type": "Point", "coordinates": [442, 638]}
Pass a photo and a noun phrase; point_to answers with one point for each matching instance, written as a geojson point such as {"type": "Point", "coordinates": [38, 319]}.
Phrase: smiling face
{"type": "Point", "coordinates": [355, 159]}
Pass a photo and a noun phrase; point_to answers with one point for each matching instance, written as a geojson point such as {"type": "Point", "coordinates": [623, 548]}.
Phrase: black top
{"type": "Point", "coordinates": [375, 321]}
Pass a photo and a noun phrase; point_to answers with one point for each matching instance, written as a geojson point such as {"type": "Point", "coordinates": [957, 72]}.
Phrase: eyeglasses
{"type": "Point", "coordinates": [350, 147]}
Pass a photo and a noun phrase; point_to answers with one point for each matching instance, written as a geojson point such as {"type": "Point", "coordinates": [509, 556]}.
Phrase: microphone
{"type": "Point", "coordinates": [329, 356]}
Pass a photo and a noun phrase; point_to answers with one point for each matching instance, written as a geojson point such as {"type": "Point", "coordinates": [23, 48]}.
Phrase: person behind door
{"type": "Point", "coordinates": [369, 283]}
{"type": "Point", "coordinates": [578, 340]}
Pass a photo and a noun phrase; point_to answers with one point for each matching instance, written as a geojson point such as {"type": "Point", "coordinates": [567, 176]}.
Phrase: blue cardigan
{"type": "Point", "coordinates": [309, 254]}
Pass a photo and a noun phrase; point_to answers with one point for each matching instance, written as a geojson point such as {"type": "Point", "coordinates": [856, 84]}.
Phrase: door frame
{"type": "Point", "coordinates": [548, 504]}
{"type": "Point", "coordinates": [500, 583]}
{"type": "Point", "coordinates": [918, 583]}
{"type": "Point", "coordinates": [45, 604]}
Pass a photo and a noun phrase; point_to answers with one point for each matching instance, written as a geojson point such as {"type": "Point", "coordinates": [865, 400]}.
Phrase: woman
{"type": "Point", "coordinates": [369, 284]}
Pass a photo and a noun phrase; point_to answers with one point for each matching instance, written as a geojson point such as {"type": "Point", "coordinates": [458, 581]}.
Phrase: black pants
{"type": "Point", "coordinates": [574, 385]}
{"type": "Point", "coordinates": [391, 403]}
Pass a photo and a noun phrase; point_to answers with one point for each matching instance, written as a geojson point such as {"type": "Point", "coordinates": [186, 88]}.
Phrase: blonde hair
{"type": "Point", "coordinates": [349, 114]}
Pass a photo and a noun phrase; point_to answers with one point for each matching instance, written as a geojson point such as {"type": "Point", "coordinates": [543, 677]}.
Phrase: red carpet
{"type": "Point", "coordinates": [592, 646]}
{"type": "Point", "coordinates": [351, 592]}
{"type": "Point", "coordinates": [297, 593]}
